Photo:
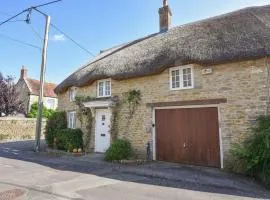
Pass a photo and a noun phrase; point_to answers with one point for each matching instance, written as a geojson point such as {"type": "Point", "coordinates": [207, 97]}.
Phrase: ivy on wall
{"type": "Point", "coordinates": [85, 117]}
{"type": "Point", "coordinates": [133, 99]}
{"type": "Point", "coordinates": [115, 117]}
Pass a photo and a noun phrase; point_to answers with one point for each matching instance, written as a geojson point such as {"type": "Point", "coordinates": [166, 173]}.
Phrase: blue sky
{"type": "Point", "coordinates": [96, 25]}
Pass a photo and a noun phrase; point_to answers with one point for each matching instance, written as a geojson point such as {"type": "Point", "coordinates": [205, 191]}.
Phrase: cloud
{"type": "Point", "coordinates": [58, 38]}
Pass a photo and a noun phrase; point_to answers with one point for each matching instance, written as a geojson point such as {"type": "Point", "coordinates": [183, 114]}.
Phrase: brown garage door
{"type": "Point", "coordinates": [188, 135]}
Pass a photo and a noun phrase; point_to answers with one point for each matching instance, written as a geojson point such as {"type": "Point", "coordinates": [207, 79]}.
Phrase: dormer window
{"type": "Point", "coordinates": [104, 88]}
{"type": "Point", "coordinates": [72, 93]}
{"type": "Point", "coordinates": [181, 78]}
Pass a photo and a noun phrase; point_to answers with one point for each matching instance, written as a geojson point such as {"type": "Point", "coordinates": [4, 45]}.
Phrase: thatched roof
{"type": "Point", "coordinates": [240, 35]}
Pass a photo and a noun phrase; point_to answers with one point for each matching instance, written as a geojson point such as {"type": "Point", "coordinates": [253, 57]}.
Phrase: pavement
{"type": "Point", "coordinates": [28, 175]}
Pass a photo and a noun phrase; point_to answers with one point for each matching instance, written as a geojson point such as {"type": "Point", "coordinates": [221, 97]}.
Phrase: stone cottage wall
{"type": "Point", "coordinates": [244, 85]}
{"type": "Point", "coordinates": [19, 128]}
{"type": "Point", "coordinates": [23, 92]}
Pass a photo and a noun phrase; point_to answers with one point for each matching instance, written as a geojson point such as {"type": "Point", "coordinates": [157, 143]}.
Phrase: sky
{"type": "Point", "coordinates": [95, 24]}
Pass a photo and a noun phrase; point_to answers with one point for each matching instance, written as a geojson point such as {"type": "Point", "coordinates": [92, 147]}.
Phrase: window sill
{"type": "Point", "coordinates": [177, 89]}
{"type": "Point", "coordinates": [100, 97]}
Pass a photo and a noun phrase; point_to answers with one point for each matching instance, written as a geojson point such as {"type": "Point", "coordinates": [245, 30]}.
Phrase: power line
{"type": "Point", "coordinates": [45, 4]}
{"type": "Point", "coordinates": [19, 20]}
{"type": "Point", "coordinates": [35, 32]}
{"type": "Point", "coordinates": [9, 19]}
{"type": "Point", "coordinates": [27, 10]}
{"type": "Point", "coordinates": [76, 43]}
{"type": "Point", "coordinates": [20, 42]}
{"type": "Point", "coordinates": [6, 14]}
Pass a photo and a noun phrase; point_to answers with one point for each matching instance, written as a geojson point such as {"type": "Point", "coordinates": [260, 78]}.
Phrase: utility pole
{"type": "Point", "coordinates": [43, 63]}
{"type": "Point", "coordinates": [42, 80]}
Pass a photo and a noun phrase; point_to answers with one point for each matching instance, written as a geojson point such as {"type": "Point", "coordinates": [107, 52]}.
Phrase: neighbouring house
{"type": "Point", "coordinates": [29, 92]}
{"type": "Point", "coordinates": [202, 86]}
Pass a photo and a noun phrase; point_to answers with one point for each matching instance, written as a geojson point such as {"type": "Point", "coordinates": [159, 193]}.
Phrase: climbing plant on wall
{"type": "Point", "coordinates": [115, 117]}
{"type": "Point", "coordinates": [133, 99]}
{"type": "Point", "coordinates": [85, 117]}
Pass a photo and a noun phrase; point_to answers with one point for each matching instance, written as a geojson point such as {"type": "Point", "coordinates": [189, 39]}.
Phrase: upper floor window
{"type": "Point", "coordinates": [181, 78]}
{"type": "Point", "coordinates": [72, 93]}
{"type": "Point", "coordinates": [51, 103]}
{"type": "Point", "coordinates": [104, 88]}
{"type": "Point", "coordinates": [72, 119]}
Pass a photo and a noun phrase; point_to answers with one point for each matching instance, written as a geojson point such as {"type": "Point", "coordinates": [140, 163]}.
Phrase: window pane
{"type": "Point", "coordinates": [100, 89]}
{"type": "Point", "coordinates": [108, 88]}
{"type": "Point", "coordinates": [177, 84]}
{"type": "Point", "coordinates": [175, 78]}
{"type": "Point", "coordinates": [187, 78]}
{"type": "Point", "coordinates": [69, 120]}
{"type": "Point", "coordinates": [51, 103]}
{"type": "Point", "coordinates": [74, 120]}
{"type": "Point", "coordinates": [70, 94]}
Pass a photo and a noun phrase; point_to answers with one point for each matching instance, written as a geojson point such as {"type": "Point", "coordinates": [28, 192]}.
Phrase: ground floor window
{"type": "Point", "coordinates": [72, 119]}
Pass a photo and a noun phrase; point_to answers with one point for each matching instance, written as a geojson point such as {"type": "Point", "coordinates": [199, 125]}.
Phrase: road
{"type": "Point", "coordinates": [26, 175]}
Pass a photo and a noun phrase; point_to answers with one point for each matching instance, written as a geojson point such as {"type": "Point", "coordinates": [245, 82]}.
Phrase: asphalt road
{"type": "Point", "coordinates": [26, 175]}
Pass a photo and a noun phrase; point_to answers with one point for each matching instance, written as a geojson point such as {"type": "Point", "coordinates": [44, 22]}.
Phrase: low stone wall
{"type": "Point", "coordinates": [19, 128]}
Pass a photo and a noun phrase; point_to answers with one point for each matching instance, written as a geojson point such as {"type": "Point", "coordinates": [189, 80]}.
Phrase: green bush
{"type": "Point", "coordinates": [255, 151]}
{"type": "Point", "coordinates": [57, 121]}
{"type": "Point", "coordinates": [119, 150]}
{"type": "Point", "coordinates": [46, 113]}
{"type": "Point", "coordinates": [69, 139]}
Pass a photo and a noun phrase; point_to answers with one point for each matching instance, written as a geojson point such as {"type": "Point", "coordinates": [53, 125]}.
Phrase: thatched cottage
{"type": "Point", "coordinates": [189, 91]}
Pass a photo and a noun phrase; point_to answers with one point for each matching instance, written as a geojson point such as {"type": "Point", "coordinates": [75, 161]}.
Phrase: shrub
{"type": "Point", "coordinates": [69, 139]}
{"type": "Point", "coordinates": [46, 113]}
{"type": "Point", "coordinates": [56, 122]}
{"type": "Point", "coordinates": [119, 150]}
{"type": "Point", "coordinates": [255, 151]}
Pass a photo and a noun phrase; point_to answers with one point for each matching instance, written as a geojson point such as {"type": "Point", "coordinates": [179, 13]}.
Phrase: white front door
{"type": "Point", "coordinates": [102, 133]}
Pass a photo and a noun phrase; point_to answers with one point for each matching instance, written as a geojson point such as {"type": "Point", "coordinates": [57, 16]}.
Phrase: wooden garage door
{"type": "Point", "coordinates": [188, 135]}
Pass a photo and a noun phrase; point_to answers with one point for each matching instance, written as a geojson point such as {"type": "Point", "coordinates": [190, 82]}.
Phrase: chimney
{"type": "Point", "coordinates": [23, 72]}
{"type": "Point", "coordinates": [165, 17]}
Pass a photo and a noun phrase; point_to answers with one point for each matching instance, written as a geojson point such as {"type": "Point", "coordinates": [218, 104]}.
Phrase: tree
{"type": "Point", "coordinates": [46, 112]}
{"type": "Point", "coordinates": [9, 97]}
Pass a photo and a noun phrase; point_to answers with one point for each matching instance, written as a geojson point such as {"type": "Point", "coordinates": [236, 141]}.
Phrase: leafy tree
{"type": "Point", "coordinates": [46, 113]}
{"type": "Point", "coordinates": [9, 97]}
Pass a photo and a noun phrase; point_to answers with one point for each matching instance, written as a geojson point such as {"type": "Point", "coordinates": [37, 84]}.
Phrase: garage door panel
{"type": "Point", "coordinates": [169, 142]}
{"type": "Point", "coordinates": [188, 135]}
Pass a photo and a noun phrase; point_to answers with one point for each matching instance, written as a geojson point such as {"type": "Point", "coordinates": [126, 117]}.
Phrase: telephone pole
{"type": "Point", "coordinates": [42, 80]}
{"type": "Point", "coordinates": [43, 63]}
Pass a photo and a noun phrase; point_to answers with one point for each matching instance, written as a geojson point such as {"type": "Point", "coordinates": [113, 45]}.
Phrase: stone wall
{"type": "Point", "coordinates": [244, 85]}
{"type": "Point", "coordinates": [19, 128]}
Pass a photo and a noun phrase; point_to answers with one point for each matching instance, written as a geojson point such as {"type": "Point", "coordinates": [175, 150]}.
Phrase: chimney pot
{"type": "Point", "coordinates": [165, 17]}
{"type": "Point", "coordinates": [23, 72]}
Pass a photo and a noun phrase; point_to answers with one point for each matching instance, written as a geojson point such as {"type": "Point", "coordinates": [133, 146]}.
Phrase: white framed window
{"type": "Point", "coordinates": [181, 78]}
{"type": "Point", "coordinates": [104, 88]}
{"type": "Point", "coordinates": [72, 119]}
{"type": "Point", "coordinates": [51, 103]}
{"type": "Point", "coordinates": [72, 93]}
